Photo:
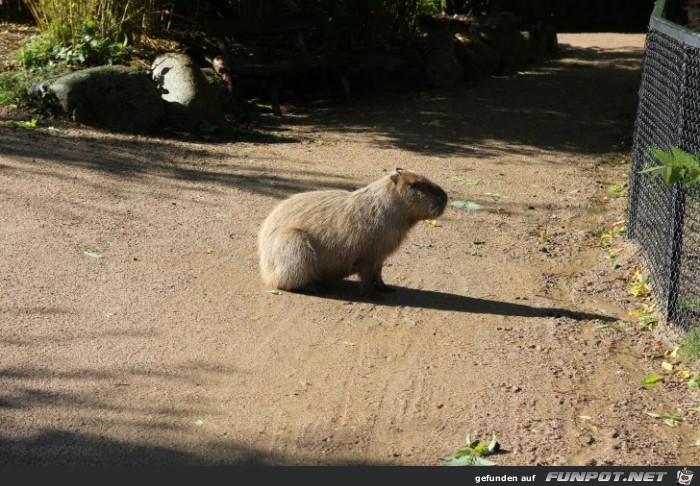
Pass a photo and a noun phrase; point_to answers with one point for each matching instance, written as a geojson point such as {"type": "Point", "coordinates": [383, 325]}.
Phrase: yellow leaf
{"type": "Point", "coordinates": [666, 365]}
{"type": "Point", "coordinates": [685, 374]}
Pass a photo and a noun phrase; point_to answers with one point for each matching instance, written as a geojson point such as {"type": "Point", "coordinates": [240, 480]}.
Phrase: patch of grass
{"type": "Point", "coordinates": [618, 190]}
{"type": "Point", "coordinates": [14, 85]}
{"type": "Point", "coordinates": [608, 236]}
{"type": "Point", "coordinates": [689, 303]}
{"type": "Point", "coordinates": [691, 344]}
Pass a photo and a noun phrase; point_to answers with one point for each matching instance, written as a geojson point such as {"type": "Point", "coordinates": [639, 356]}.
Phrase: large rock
{"type": "Point", "coordinates": [190, 102]}
{"type": "Point", "coordinates": [500, 31]}
{"type": "Point", "coordinates": [111, 96]}
{"type": "Point", "coordinates": [388, 68]}
{"type": "Point", "coordinates": [477, 58]}
{"type": "Point", "coordinates": [443, 68]}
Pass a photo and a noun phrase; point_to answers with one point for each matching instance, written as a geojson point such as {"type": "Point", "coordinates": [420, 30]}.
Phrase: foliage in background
{"type": "Point", "coordinates": [344, 24]}
{"type": "Point", "coordinates": [77, 33]}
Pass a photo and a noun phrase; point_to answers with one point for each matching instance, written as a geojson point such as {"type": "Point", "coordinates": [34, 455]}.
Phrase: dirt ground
{"type": "Point", "coordinates": [135, 328]}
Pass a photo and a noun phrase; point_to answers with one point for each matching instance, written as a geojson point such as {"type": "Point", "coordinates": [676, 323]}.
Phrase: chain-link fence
{"type": "Point", "coordinates": [664, 220]}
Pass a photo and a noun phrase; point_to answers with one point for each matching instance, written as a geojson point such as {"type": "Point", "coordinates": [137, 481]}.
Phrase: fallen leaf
{"type": "Point", "coordinates": [666, 365]}
{"type": "Point", "coordinates": [585, 417]}
{"type": "Point", "coordinates": [651, 379]}
{"type": "Point", "coordinates": [672, 420]}
{"type": "Point", "coordinates": [21, 123]}
{"type": "Point", "coordinates": [685, 374]}
{"type": "Point", "coordinates": [199, 422]}
{"type": "Point", "coordinates": [432, 222]}
{"type": "Point", "coordinates": [92, 254]}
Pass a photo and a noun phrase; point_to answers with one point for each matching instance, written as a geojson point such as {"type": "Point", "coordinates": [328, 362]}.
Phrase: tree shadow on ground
{"type": "Point", "coordinates": [54, 447]}
{"type": "Point", "coordinates": [582, 102]}
{"type": "Point", "coordinates": [157, 436]}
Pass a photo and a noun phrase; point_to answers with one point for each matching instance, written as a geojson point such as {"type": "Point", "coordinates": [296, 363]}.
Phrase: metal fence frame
{"type": "Point", "coordinates": [665, 221]}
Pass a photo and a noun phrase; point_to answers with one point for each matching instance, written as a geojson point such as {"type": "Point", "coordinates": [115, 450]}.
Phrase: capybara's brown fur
{"type": "Point", "coordinates": [314, 238]}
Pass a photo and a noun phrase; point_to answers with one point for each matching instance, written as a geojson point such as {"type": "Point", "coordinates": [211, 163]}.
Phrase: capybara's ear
{"type": "Point", "coordinates": [394, 176]}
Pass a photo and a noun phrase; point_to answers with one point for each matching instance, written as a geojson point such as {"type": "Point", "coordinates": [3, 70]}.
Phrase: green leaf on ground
{"type": "Point", "coordinates": [672, 420]}
{"type": "Point", "coordinates": [467, 205]}
{"type": "Point", "coordinates": [651, 379]}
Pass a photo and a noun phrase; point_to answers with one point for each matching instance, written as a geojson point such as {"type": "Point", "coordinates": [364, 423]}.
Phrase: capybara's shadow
{"type": "Point", "coordinates": [349, 290]}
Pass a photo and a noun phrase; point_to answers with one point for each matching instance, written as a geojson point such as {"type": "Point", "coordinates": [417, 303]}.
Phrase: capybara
{"type": "Point", "coordinates": [315, 238]}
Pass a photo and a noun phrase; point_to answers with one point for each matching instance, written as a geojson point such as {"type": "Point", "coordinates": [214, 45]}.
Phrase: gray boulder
{"type": "Point", "coordinates": [190, 102]}
{"type": "Point", "coordinates": [116, 97]}
{"type": "Point", "coordinates": [443, 68]}
{"type": "Point", "coordinates": [388, 68]}
{"type": "Point", "coordinates": [501, 32]}
{"type": "Point", "coordinates": [477, 58]}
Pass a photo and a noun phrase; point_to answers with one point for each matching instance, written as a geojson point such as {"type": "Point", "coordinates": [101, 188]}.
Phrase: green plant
{"type": "Point", "coordinates": [646, 316]}
{"type": "Point", "coordinates": [14, 84]}
{"type": "Point", "coordinates": [474, 452]}
{"type": "Point", "coordinates": [430, 7]}
{"type": "Point", "coordinates": [86, 49]}
{"type": "Point", "coordinates": [607, 236]}
{"type": "Point", "coordinates": [677, 165]}
{"type": "Point", "coordinates": [640, 285]}
{"type": "Point", "coordinates": [64, 22]}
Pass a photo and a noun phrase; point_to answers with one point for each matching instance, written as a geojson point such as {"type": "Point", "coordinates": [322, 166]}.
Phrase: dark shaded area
{"type": "Point", "coordinates": [583, 16]}
{"type": "Point", "coordinates": [65, 448]}
{"type": "Point", "coordinates": [584, 102]}
{"type": "Point", "coordinates": [66, 444]}
{"type": "Point", "coordinates": [429, 299]}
